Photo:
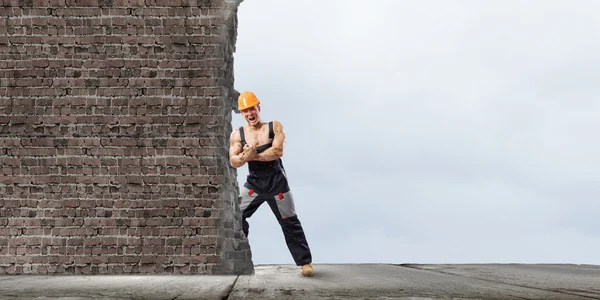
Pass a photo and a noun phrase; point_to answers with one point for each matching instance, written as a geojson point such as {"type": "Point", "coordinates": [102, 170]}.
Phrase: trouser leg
{"type": "Point", "coordinates": [282, 206]}
{"type": "Point", "coordinates": [249, 204]}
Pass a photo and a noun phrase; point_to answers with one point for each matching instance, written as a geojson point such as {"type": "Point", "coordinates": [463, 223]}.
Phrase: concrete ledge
{"type": "Point", "coordinates": [331, 281]}
{"type": "Point", "coordinates": [147, 287]}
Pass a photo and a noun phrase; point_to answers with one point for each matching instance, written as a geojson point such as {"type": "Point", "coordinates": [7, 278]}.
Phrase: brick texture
{"type": "Point", "coordinates": [114, 124]}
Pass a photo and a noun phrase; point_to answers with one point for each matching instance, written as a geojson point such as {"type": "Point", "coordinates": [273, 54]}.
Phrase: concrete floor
{"type": "Point", "coordinates": [331, 281]}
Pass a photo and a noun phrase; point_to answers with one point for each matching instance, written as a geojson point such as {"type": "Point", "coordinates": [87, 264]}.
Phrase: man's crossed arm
{"type": "Point", "coordinates": [238, 156]}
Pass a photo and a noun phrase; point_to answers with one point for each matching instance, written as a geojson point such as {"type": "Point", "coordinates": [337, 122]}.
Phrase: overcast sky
{"type": "Point", "coordinates": [430, 131]}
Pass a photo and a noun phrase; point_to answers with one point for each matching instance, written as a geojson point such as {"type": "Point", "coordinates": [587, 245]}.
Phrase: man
{"type": "Point", "coordinates": [260, 145]}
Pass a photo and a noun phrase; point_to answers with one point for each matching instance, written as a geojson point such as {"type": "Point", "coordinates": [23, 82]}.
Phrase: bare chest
{"type": "Point", "coordinates": [257, 137]}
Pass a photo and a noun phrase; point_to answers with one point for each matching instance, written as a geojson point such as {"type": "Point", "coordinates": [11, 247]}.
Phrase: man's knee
{"type": "Point", "coordinates": [245, 227]}
{"type": "Point", "coordinates": [246, 214]}
{"type": "Point", "coordinates": [290, 223]}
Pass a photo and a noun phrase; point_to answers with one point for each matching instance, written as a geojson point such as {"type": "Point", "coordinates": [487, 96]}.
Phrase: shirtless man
{"type": "Point", "coordinates": [260, 145]}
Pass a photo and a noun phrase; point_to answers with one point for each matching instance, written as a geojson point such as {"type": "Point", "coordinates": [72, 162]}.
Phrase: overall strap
{"type": "Point", "coordinates": [242, 137]}
{"type": "Point", "coordinates": [264, 147]}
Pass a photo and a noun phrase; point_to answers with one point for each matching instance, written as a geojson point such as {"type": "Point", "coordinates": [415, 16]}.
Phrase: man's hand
{"type": "Point", "coordinates": [249, 152]}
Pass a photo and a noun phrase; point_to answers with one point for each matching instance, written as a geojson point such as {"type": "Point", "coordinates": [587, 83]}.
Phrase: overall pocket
{"type": "Point", "coordinates": [285, 204]}
{"type": "Point", "coordinates": [247, 196]}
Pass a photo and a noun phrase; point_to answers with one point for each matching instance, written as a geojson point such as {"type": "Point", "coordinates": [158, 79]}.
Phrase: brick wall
{"type": "Point", "coordinates": [114, 124]}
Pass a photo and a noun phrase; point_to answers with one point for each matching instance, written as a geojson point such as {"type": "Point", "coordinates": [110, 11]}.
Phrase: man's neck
{"type": "Point", "coordinates": [257, 126]}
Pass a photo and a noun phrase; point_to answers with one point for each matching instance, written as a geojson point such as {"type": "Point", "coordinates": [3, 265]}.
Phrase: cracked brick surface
{"type": "Point", "coordinates": [114, 124]}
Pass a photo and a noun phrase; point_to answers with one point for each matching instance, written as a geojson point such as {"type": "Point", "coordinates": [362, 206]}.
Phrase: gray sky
{"type": "Point", "coordinates": [430, 131]}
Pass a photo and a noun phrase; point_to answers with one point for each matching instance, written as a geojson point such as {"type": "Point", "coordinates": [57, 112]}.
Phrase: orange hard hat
{"type": "Point", "coordinates": [247, 100]}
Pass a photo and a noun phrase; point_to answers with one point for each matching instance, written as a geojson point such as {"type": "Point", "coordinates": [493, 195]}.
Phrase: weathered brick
{"type": "Point", "coordinates": [108, 165]}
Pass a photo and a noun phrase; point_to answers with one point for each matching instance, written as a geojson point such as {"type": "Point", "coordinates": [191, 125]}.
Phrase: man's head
{"type": "Point", "coordinates": [249, 107]}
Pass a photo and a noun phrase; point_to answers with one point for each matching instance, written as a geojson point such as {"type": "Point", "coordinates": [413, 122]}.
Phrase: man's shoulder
{"type": "Point", "coordinates": [277, 125]}
{"type": "Point", "coordinates": [235, 134]}
{"type": "Point", "coordinates": [237, 129]}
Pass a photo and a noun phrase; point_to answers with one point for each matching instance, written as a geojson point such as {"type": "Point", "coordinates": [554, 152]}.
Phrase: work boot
{"type": "Point", "coordinates": [307, 270]}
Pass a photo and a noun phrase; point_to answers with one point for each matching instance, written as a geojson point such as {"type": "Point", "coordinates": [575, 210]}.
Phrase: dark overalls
{"type": "Point", "coordinates": [267, 181]}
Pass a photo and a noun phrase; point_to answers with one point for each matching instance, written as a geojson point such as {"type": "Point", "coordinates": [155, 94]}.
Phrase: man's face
{"type": "Point", "coordinates": [251, 115]}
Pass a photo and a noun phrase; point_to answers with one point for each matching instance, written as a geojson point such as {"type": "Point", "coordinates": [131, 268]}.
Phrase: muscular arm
{"type": "Point", "coordinates": [276, 151]}
{"type": "Point", "coordinates": [236, 154]}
